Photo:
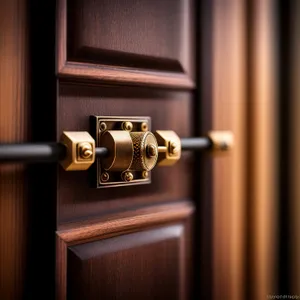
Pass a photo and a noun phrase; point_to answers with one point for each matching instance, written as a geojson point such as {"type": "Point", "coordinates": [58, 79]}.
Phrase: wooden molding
{"type": "Point", "coordinates": [76, 70]}
{"type": "Point", "coordinates": [109, 226]}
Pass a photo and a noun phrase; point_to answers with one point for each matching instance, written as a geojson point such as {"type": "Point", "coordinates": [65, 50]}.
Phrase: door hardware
{"type": "Point", "coordinates": [80, 153]}
{"type": "Point", "coordinates": [120, 150]}
{"type": "Point", "coordinates": [133, 150]}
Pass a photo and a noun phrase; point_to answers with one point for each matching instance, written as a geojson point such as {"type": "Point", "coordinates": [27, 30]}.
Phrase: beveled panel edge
{"type": "Point", "coordinates": [147, 237]}
{"type": "Point", "coordinates": [124, 222]}
{"type": "Point", "coordinates": [113, 225]}
{"type": "Point", "coordinates": [122, 75]}
{"type": "Point", "coordinates": [73, 70]}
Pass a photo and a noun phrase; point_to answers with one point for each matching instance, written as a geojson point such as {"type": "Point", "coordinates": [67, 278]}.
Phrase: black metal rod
{"type": "Point", "coordinates": [52, 152]}
{"type": "Point", "coordinates": [195, 143]}
{"type": "Point", "coordinates": [48, 152]}
{"type": "Point", "coordinates": [29, 153]}
{"type": "Point", "coordinates": [101, 151]}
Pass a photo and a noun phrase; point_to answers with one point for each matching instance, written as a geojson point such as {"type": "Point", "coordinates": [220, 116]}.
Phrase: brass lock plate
{"type": "Point", "coordinates": [124, 137]}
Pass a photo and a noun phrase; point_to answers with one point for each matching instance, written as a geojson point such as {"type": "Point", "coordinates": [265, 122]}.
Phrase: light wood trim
{"type": "Point", "coordinates": [262, 157]}
{"type": "Point", "coordinates": [122, 75]}
{"type": "Point", "coordinates": [126, 222]}
{"type": "Point", "coordinates": [244, 198]}
{"type": "Point", "coordinates": [228, 177]}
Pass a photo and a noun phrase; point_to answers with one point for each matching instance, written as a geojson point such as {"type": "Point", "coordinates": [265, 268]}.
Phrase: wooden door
{"type": "Point", "coordinates": [202, 228]}
{"type": "Point", "coordinates": [126, 58]}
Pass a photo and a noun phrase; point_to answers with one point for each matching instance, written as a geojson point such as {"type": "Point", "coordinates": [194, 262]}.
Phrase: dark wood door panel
{"type": "Point", "coordinates": [169, 110]}
{"type": "Point", "coordinates": [136, 33]}
{"type": "Point", "coordinates": [140, 42]}
{"type": "Point", "coordinates": [131, 242]}
{"type": "Point", "coordinates": [149, 264]}
{"type": "Point", "coordinates": [115, 229]}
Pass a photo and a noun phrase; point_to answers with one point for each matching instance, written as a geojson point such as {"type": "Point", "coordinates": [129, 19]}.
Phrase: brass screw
{"type": "Point", "coordinates": [102, 126]}
{"type": "Point", "coordinates": [144, 126]}
{"type": "Point", "coordinates": [151, 150]}
{"type": "Point", "coordinates": [104, 177]}
{"type": "Point", "coordinates": [145, 174]}
{"type": "Point", "coordinates": [127, 176]}
{"type": "Point", "coordinates": [127, 126]}
{"type": "Point", "coordinates": [173, 147]}
{"type": "Point", "coordinates": [85, 150]}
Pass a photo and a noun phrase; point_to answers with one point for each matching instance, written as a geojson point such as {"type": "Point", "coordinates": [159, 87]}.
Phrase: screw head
{"type": "Point", "coordinates": [145, 174]}
{"type": "Point", "coordinates": [104, 177]}
{"type": "Point", "coordinates": [102, 126]}
{"type": "Point", "coordinates": [144, 126]}
{"type": "Point", "coordinates": [127, 126]}
{"type": "Point", "coordinates": [151, 150]}
{"type": "Point", "coordinates": [85, 150]}
{"type": "Point", "coordinates": [174, 149]}
{"type": "Point", "coordinates": [127, 176]}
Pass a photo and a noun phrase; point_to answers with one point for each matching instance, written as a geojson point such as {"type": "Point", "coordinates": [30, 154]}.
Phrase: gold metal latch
{"type": "Point", "coordinates": [133, 150]}
{"type": "Point", "coordinates": [129, 150]}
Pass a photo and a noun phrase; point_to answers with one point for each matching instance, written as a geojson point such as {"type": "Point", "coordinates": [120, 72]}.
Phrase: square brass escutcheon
{"type": "Point", "coordinates": [115, 133]}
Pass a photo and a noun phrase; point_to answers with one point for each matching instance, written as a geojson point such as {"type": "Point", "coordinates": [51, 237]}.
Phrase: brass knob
{"type": "Point", "coordinates": [145, 151]}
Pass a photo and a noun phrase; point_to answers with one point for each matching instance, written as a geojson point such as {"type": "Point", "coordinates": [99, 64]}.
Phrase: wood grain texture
{"type": "Point", "coordinates": [124, 222]}
{"type": "Point", "coordinates": [262, 151]}
{"type": "Point", "coordinates": [14, 119]}
{"type": "Point", "coordinates": [117, 227]}
{"type": "Point", "coordinates": [89, 61]}
{"type": "Point", "coordinates": [137, 33]}
{"type": "Point", "coordinates": [76, 200]}
{"type": "Point", "coordinates": [144, 265]}
{"type": "Point", "coordinates": [125, 76]}
{"type": "Point", "coordinates": [150, 29]}
{"type": "Point", "coordinates": [228, 171]}
{"type": "Point", "coordinates": [89, 46]}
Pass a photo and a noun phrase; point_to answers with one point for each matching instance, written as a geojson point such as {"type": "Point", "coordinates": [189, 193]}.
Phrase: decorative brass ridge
{"type": "Point", "coordinates": [133, 150]}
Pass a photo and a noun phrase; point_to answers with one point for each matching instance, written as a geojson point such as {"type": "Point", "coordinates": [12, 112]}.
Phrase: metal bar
{"type": "Point", "coordinates": [29, 153]}
{"type": "Point", "coordinates": [52, 152]}
{"type": "Point", "coordinates": [48, 152]}
{"type": "Point", "coordinates": [101, 151]}
{"type": "Point", "coordinates": [195, 143]}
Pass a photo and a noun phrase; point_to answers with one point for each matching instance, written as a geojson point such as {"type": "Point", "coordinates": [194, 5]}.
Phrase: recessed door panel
{"type": "Point", "coordinates": [149, 264]}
